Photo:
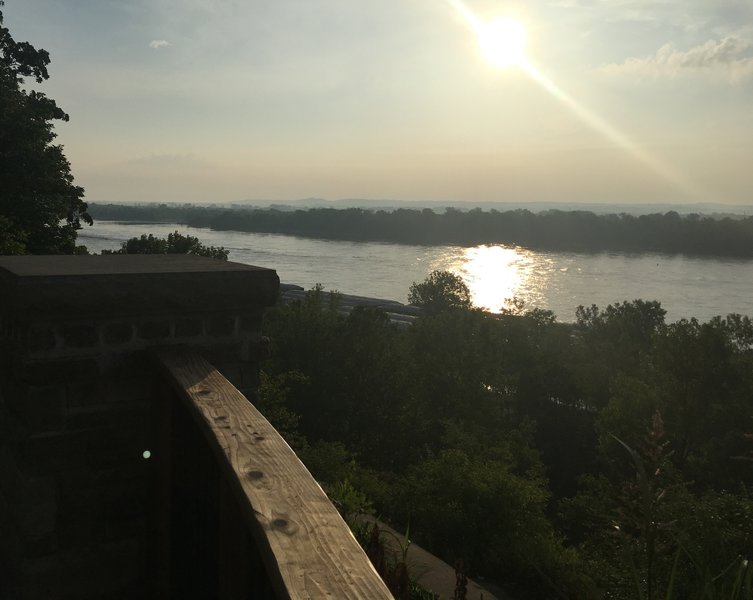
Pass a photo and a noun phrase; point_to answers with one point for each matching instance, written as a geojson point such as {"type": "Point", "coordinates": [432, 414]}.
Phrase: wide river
{"type": "Point", "coordinates": [558, 281]}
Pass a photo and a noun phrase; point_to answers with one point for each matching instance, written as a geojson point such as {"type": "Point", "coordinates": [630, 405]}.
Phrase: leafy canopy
{"type": "Point", "coordinates": [40, 207]}
{"type": "Point", "coordinates": [439, 292]}
{"type": "Point", "coordinates": [174, 243]}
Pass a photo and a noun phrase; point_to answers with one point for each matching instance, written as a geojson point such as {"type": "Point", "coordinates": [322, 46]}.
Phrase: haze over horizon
{"type": "Point", "coordinates": [630, 101]}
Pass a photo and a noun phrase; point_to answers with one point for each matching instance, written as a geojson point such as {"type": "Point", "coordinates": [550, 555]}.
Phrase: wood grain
{"type": "Point", "coordinates": [308, 550]}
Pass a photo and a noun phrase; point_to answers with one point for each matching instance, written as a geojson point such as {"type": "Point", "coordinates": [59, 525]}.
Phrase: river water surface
{"type": "Point", "coordinates": [558, 281]}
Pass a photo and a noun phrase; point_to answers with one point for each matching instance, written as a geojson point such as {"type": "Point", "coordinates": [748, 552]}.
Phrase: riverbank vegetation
{"type": "Point", "coordinates": [608, 458]}
{"type": "Point", "coordinates": [578, 231]}
{"type": "Point", "coordinates": [174, 243]}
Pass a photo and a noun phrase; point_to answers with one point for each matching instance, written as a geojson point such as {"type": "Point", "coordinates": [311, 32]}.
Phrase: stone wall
{"type": "Point", "coordinates": [76, 394]}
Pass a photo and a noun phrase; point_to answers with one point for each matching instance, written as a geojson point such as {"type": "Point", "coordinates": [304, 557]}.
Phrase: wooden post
{"type": "Point", "coordinates": [158, 555]}
{"type": "Point", "coordinates": [194, 523]}
{"type": "Point", "coordinates": [241, 570]}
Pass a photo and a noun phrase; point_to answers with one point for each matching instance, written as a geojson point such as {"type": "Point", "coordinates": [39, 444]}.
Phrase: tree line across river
{"type": "Point", "coordinates": [577, 231]}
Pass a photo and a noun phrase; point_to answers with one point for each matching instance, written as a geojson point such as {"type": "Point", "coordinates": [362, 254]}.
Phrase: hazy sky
{"type": "Point", "coordinates": [224, 100]}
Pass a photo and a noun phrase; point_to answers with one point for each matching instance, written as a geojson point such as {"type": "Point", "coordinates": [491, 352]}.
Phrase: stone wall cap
{"type": "Point", "coordinates": [80, 287]}
{"type": "Point", "coordinates": [116, 264]}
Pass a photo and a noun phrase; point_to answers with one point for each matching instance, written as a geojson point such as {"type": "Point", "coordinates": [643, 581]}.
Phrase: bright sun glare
{"type": "Point", "coordinates": [502, 42]}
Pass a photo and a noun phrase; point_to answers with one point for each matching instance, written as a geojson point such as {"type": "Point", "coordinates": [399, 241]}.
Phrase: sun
{"type": "Point", "coordinates": [502, 42]}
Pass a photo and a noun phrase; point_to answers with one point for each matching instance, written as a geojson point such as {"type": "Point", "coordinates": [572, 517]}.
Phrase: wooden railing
{"type": "Point", "coordinates": [235, 513]}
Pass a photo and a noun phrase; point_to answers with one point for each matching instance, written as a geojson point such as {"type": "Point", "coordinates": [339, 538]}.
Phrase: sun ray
{"type": "Point", "coordinates": [590, 118]}
{"type": "Point", "coordinates": [613, 134]}
{"type": "Point", "coordinates": [465, 12]}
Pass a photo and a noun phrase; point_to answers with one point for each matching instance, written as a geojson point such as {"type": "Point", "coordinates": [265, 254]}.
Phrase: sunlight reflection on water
{"type": "Point", "coordinates": [498, 274]}
{"type": "Point", "coordinates": [494, 274]}
{"type": "Point", "coordinates": [558, 281]}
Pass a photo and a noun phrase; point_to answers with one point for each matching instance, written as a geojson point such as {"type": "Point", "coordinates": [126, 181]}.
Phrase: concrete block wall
{"type": "Point", "coordinates": [76, 393]}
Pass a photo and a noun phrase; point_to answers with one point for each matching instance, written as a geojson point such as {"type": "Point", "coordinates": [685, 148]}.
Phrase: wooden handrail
{"type": "Point", "coordinates": [307, 549]}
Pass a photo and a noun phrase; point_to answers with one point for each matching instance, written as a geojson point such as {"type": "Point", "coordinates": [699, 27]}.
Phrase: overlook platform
{"type": "Point", "coordinates": [133, 463]}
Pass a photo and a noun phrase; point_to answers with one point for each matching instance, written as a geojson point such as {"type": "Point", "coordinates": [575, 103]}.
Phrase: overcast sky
{"type": "Point", "coordinates": [225, 100]}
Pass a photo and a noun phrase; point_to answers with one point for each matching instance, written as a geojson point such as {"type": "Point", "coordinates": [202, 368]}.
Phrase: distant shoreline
{"type": "Point", "coordinates": [555, 230]}
{"type": "Point", "coordinates": [713, 209]}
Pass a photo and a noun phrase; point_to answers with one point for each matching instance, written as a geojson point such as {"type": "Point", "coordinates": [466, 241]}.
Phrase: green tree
{"type": "Point", "coordinates": [174, 243]}
{"type": "Point", "coordinates": [40, 207]}
{"type": "Point", "coordinates": [440, 291]}
{"type": "Point", "coordinates": [647, 532]}
{"type": "Point", "coordinates": [482, 506]}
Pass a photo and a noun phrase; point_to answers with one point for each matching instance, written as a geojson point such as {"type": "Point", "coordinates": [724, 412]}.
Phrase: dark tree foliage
{"type": "Point", "coordinates": [174, 243]}
{"type": "Point", "coordinates": [440, 291]}
{"type": "Point", "coordinates": [40, 207]}
{"type": "Point", "coordinates": [576, 231]}
{"type": "Point", "coordinates": [608, 458]}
